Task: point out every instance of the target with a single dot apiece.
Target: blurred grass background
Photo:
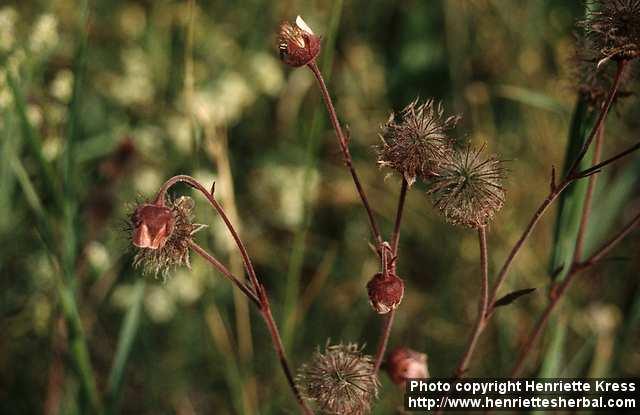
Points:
(100, 102)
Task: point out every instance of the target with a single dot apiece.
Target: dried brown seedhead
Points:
(416, 141)
(468, 187)
(340, 380)
(297, 44)
(612, 28)
(594, 82)
(161, 232)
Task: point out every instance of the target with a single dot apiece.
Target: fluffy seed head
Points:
(385, 292)
(297, 43)
(340, 380)
(415, 141)
(161, 233)
(468, 187)
(404, 363)
(613, 29)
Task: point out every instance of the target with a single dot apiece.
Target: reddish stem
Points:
(557, 293)
(482, 306)
(344, 146)
(263, 301)
(395, 239)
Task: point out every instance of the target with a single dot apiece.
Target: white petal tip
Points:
(303, 25)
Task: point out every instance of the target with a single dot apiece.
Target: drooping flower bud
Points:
(297, 44)
(152, 226)
(404, 363)
(385, 292)
(162, 233)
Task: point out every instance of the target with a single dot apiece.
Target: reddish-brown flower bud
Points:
(297, 44)
(385, 292)
(152, 226)
(404, 363)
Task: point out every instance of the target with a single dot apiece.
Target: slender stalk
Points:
(588, 198)
(248, 291)
(572, 175)
(595, 169)
(395, 240)
(502, 274)
(384, 339)
(344, 146)
(558, 292)
(263, 301)
(482, 306)
(608, 246)
(601, 117)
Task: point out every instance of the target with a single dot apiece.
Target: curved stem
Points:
(482, 306)
(263, 301)
(225, 271)
(344, 146)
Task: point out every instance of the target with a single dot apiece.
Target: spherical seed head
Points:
(297, 43)
(613, 28)
(162, 233)
(385, 292)
(415, 141)
(340, 380)
(404, 363)
(468, 187)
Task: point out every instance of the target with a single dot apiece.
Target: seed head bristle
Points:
(612, 28)
(339, 380)
(159, 258)
(415, 141)
(468, 187)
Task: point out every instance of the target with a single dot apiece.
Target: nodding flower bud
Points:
(385, 292)
(404, 363)
(152, 226)
(297, 44)
(162, 232)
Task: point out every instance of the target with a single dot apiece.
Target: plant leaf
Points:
(512, 296)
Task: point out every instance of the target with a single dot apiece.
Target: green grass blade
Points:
(572, 199)
(531, 98)
(125, 343)
(33, 141)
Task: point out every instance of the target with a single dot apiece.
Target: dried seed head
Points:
(297, 44)
(404, 363)
(593, 82)
(385, 292)
(613, 29)
(416, 141)
(468, 187)
(340, 380)
(162, 235)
